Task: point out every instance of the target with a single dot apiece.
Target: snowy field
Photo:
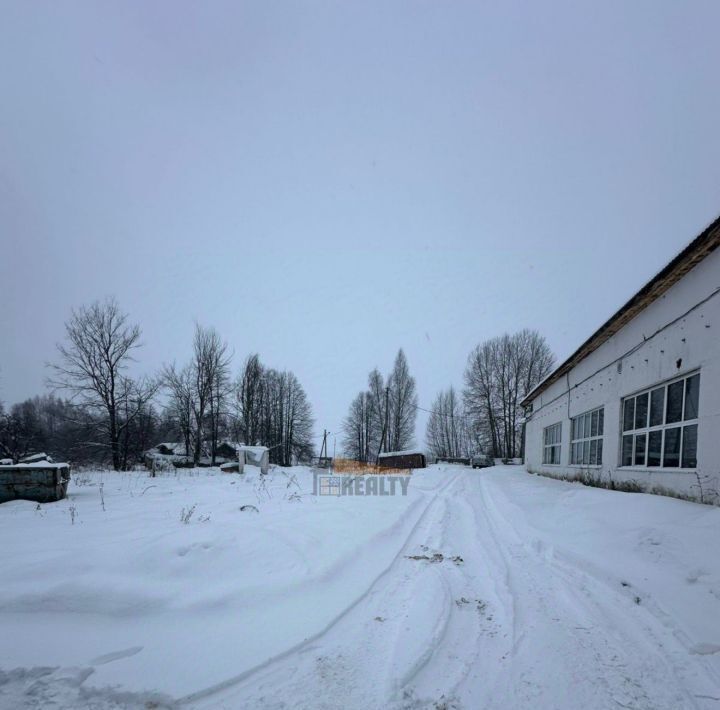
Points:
(479, 589)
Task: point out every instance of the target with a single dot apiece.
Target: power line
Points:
(459, 415)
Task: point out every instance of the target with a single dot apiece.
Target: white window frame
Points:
(682, 424)
(582, 438)
(552, 439)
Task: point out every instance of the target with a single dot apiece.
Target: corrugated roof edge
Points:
(699, 248)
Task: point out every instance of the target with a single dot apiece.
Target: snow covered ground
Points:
(479, 589)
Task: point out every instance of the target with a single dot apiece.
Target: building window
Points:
(660, 425)
(552, 436)
(586, 438)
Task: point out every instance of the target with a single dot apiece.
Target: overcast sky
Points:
(325, 182)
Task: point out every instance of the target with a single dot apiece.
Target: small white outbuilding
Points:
(254, 456)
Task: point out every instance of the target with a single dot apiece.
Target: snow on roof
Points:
(257, 450)
(34, 464)
(407, 452)
(36, 457)
(177, 447)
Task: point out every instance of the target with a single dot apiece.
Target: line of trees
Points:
(499, 373)
(449, 433)
(382, 418)
(272, 407)
(108, 416)
(199, 393)
(92, 368)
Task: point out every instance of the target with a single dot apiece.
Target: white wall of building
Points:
(676, 335)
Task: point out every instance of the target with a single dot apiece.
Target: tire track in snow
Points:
(558, 636)
(472, 637)
(584, 571)
(207, 697)
(598, 632)
(412, 643)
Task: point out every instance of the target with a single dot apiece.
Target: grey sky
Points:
(325, 182)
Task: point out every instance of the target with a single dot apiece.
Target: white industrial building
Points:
(637, 405)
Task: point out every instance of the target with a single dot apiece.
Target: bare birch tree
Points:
(273, 410)
(402, 404)
(383, 417)
(210, 370)
(179, 384)
(447, 431)
(249, 397)
(500, 372)
(377, 403)
(99, 345)
(357, 429)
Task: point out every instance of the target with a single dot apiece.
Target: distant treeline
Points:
(488, 417)
(108, 417)
(485, 418)
(382, 418)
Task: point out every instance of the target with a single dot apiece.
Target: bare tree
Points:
(179, 384)
(447, 432)
(249, 392)
(383, 417)
(402, 405)
(273, 410)
(136, 419)
(100, 343)
(296, 432)
(209, 371)
(357, 429)
(500, 372)
(377, 408)
(219, 375)
(20, 431)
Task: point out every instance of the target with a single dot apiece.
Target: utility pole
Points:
(387, 415)
(323, 448)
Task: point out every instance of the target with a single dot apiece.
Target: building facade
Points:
(637, 406)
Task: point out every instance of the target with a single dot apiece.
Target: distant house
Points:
(637, 405)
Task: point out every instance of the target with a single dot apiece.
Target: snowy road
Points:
(512, 623)
(480, 589)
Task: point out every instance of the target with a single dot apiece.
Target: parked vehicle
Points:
(482, 461)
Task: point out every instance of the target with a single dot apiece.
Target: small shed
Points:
(227, 450)
(42, 481)
(402, 459)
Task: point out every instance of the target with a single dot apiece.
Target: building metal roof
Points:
(700, 247)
